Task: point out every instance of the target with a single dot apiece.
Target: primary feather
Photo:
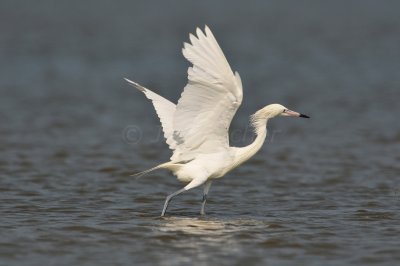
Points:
(165, 111)
(209, 101)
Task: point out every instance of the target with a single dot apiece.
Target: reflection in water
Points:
(215, 227)
(193, 226)
(200, 236)
(204, 239)
(206, 226)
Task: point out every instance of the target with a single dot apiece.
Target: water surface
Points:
(323, 191)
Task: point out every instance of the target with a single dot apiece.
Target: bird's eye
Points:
(285, 110)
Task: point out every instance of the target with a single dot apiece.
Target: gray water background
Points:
(323, 191)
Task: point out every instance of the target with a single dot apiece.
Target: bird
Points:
(196, 129)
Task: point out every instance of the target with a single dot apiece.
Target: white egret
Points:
(196, 128)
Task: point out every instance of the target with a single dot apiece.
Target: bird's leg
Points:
(207, 186)
(194, 183)
(168, 199)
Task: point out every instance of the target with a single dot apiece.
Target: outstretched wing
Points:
(209, 101)
(165, 111)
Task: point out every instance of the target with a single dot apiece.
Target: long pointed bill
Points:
(295, 114)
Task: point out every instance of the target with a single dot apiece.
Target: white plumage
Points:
(197, 128)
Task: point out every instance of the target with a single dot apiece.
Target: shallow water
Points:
(323, 191)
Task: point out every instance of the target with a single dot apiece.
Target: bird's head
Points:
(276, 109)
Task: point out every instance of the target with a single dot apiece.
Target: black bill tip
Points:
(304, 116)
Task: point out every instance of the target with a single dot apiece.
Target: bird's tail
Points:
(168, 165)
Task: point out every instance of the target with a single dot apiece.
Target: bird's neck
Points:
(260, 128)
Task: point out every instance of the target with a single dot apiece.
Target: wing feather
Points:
(209, 101)
(165, 111)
